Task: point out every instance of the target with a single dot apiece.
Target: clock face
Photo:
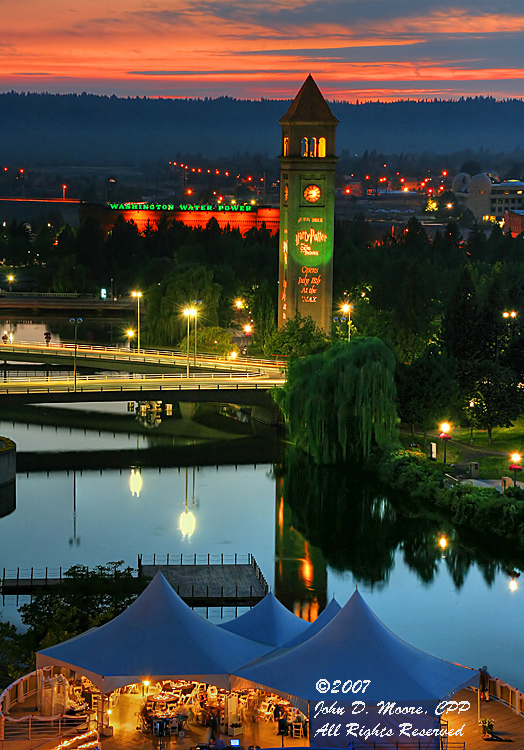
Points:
(286, 192)
(312, 193)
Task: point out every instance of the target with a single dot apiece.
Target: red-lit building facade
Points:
(149, 215)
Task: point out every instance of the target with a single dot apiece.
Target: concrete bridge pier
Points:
(266, 415)
(188, 409)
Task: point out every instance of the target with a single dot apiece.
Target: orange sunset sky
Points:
(356, 49)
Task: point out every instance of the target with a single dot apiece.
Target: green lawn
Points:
(505, 440)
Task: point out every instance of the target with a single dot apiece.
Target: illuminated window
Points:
(305, 147)
(286, 146)
(313, 147)
(322, 148)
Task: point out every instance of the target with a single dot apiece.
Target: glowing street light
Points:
(443, 542)
(64, 188)
(511, 316)
(189, 312)
(513, 585)
(10, 281)
(137, 296)
(515, 466)
(445, 428)
(346, 309)
(196, 305)
(239, 304)
(130, 335)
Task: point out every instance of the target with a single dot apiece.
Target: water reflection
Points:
(358, 527)
(135, 481)
(187, 521)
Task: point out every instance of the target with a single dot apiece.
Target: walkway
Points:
(509, 726)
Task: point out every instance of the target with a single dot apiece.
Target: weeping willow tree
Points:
(342, 403)
(165, 322)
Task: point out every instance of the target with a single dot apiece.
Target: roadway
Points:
(146, 361)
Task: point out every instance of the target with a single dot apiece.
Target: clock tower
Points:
(307, 208)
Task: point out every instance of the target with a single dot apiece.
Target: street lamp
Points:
(10, 281)
(189, 312)
(445, 427)
(76, 322)
(196, 304)
(137, 295)
(515, 466)
(64, 188)
(346, 309)
(130, 334)
(511, 315)
(248, 330)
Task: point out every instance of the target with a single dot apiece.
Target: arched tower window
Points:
(313, 146)
(304, 147)
(285, 151)
(321, 148)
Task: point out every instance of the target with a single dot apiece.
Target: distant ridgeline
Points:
(237, 216)
(51, 129)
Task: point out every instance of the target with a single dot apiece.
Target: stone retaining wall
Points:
(7, 461)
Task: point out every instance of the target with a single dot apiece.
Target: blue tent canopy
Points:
(356, 645)
(156, 637)
(332, 609)
(268, 622)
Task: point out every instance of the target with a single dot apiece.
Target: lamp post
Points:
(471, 406)
(130, 335)
(10, 281)
(76, 322)
(515, 466)
(511, 315)
(196, 305)
(445, 427)
(346, 309)
(137, 295)
(189, 312)
(248, 330)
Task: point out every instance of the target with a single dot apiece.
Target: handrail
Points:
(58, 348)
(138, 382)
(506, 694)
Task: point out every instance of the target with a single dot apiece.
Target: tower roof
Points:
(309, 106)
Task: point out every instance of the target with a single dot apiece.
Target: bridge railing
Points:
(133, 354)
(45, 380)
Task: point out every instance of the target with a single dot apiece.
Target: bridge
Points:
(146, 361)
(27, 302)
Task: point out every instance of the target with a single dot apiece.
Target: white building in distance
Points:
(488, 200)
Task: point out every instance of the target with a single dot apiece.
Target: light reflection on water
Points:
(237, 510)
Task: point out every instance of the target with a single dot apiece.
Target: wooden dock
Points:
(509, 724)
(210, 580)
(201, 580)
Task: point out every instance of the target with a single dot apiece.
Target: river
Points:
(314, 533)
